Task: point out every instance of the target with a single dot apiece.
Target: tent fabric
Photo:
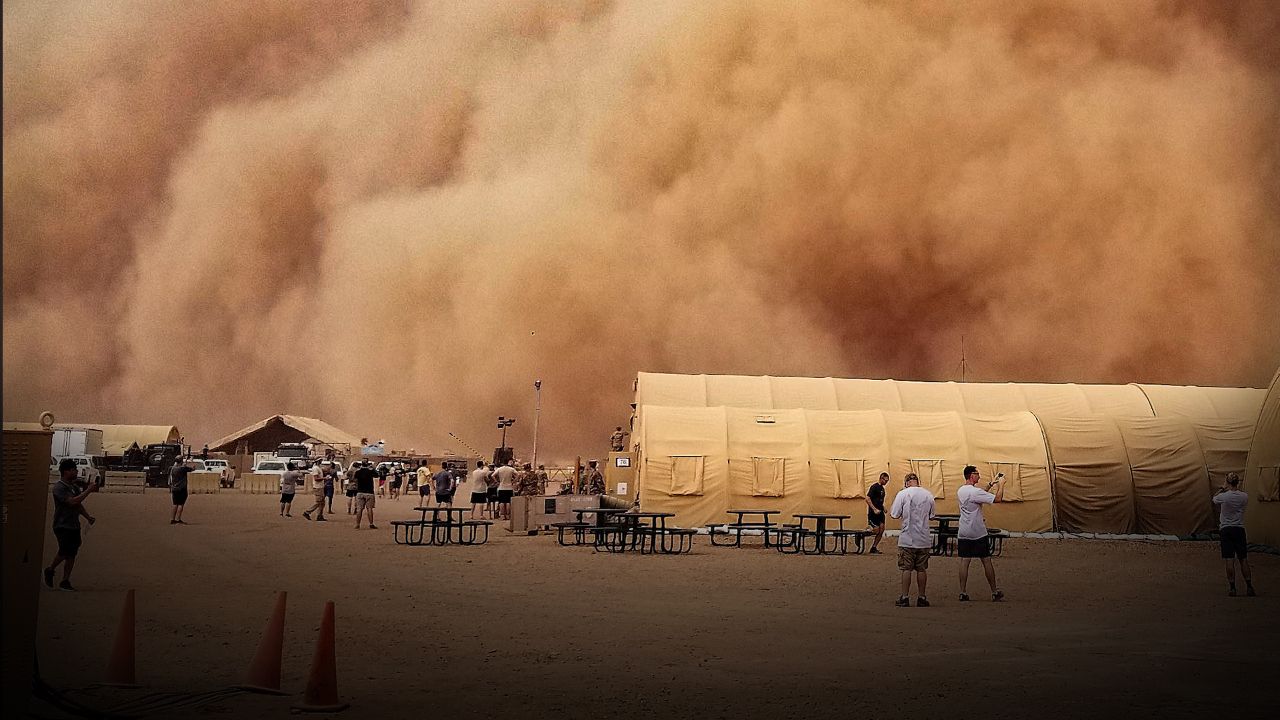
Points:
(823, 460)
(1170, 481)
(1262, 472)
(1043, 399)
(117, 438)
(1093, 486)
(311, 427)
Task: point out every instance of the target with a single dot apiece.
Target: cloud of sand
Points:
(397, 215)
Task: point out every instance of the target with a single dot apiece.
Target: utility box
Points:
(620, 474)
(547, 509)
(519, 523)
(24, 495)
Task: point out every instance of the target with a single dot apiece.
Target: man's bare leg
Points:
(964, 575)
(922, 578)
(990, 568)
(906, 583)
(875, 544)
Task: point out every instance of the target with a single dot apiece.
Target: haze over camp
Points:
(391, 214)
(640, 358)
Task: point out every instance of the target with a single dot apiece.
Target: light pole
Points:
(504, 423)
(537, 414)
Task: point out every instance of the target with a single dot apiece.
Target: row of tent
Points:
(1076, 458)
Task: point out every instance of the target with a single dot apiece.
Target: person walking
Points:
(323, 474)
(288, 487)
(178, 490)
(972, 540)
(330, 481)
(365, 499)
(914, 506)
(479, 481)
(443, 483)
(875, 511)
(68, 508)
(424, 483)
(1231, 502)
(506, 477)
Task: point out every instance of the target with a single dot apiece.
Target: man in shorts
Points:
(288, 488)
(972, 541)
(479, 486)
(506, 476)
(365, 499)
(424, 483)
(349, 489)
(875, 511)
(914, 506)
(1231, 502)
(491, 490)
(68, 506)
(178, 490)
(443, 483)
(324, 474)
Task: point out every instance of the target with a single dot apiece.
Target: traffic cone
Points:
(120, 667)
(264, 672)
(322, 684)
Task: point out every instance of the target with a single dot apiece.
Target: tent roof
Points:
(1052, 399)
(313, 428)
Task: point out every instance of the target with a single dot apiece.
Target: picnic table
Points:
(736, 527)
(442, 532)
(821, 534)
(944, 532)
(654, 537)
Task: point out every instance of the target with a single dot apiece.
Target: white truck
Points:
(76, 442)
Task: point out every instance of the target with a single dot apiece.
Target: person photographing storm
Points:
(972, 540)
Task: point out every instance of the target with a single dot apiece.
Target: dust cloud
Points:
(395, 216)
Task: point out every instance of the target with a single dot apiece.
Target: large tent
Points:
(1262, 476)
(1083, 458)
(268, 434)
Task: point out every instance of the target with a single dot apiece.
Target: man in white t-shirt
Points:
(479, 481)
(972, 541)
(1231, 502)
(914, 506)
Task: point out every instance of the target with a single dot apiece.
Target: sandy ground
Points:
(525, 628)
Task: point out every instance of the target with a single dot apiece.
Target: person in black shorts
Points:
(875, 511)
(351, 486)
(178, 490)
(68, 507)
(444, 483)
(1232, 502)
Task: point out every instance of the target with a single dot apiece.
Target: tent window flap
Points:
(768, 476)
(1269, 484)
(687, 473)
(1012, 479)
(931, 477)
(850, 478)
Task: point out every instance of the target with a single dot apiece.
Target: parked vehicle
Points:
(74, 442)
(160, 460)
(276, 466)
(226, 473)
(293, 450)
(87, 470)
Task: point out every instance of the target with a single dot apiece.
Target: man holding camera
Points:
(972, 540)
(1231, 502)
(68, 506)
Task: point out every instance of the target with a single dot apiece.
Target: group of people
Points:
(492, 485)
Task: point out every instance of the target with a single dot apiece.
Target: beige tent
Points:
(1083, 458)
(1262, 476)
(701, 462)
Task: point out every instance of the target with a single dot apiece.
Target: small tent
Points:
(1262, 473)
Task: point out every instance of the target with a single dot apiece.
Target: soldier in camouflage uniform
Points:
(527, 482)
(595, 480)
(618, 440)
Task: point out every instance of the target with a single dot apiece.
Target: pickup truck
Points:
(226, 473)
(86, 469)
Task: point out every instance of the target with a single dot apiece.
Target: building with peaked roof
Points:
(267, 435)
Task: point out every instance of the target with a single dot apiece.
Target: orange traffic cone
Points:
(322, 684)
(264, 672)
(120, 668)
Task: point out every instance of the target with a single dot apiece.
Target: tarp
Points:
(311, 427)
(1262, 472)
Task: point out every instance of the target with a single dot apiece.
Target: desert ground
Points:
(524, 628)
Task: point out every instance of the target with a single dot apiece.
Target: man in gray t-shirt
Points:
(1231, 502)
(178, 490)
(68, 506)
(288, 486)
